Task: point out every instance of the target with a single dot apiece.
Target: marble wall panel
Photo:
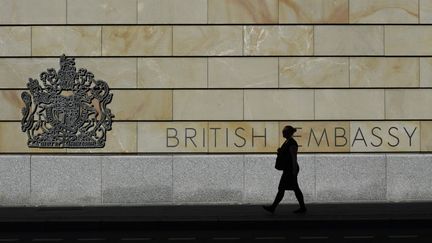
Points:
(173, 137)
(15, 41)
(102, 12)
(243, 11)
(425, 11)
(320, 136)
(172, 73)
(313, 11)
(69, 40)
(385, 136)
(384, 72)
(208, 105)
(425, 72)
(348, 40)
(313, 72)
(142, 104)
(242, 137)
(278, 104)
(217, 178)
(408, 40)
(207, 40)
(66, 180)
(15, 180)
(11, 104)
(384, 11)
(243, 72)
(408, 104)
(117, 72)
(15, 72)
(350, 177)
(136, 40)
(33, 12)
(122, 138)
(408, 177)
(278, 40)
(136, 179)
(349, 104)
(172, 11)
(426, 136)
(18, 144)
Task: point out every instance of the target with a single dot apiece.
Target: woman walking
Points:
(287, 156)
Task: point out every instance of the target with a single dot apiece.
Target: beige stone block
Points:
(384, 11)
(349, 40)
(15, 72)
(425, 72)
(349, 104)
(278, 40)
(313, 72)
(385, 136)
(18, 144)
(136, 40)
(243, 137)
(243, 11)
(408, 40)
(208, 104)
(142, 104)
(172, 73)
(320, 137)
(426, 136)
(313, 11)
(425, 11)
(32, 12)
(207, 40)
(122, 138)
(408, 104)
(69, 40)
(172, 137)
(15, 41)
(172, 11)
(102, 12)
(117, 72)
(11, 104)
(278, 104)
(384, 72)
(239, 72)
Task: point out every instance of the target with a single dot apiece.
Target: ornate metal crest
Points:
(69, 109)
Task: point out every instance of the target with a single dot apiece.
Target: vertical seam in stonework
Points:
(31, 40)
(30, 178)
(386, 178)
(349, 72)
(101, 181)
(66, 11)
(244, 175)
(207, 72)
(172, 178)
(278, 71)
(101, 33)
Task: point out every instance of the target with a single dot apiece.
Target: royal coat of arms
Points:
(68, 109)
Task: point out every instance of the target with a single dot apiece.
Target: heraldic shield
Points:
(68, 109)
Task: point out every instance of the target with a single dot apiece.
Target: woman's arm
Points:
(293, 154)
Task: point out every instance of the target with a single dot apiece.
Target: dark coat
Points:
(288, 179)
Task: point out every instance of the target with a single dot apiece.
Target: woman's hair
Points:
(289, 129)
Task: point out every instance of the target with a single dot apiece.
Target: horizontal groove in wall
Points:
(263, 88)
(210, 153)
(225, 56)
(220, 24)
(269, 120)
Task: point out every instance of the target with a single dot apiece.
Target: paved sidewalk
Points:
(219, 213)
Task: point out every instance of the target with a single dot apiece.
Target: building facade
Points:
(202, 89)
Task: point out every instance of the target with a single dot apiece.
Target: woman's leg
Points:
(300, 199)
(278, 198)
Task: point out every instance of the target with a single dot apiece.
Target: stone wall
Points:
(202, 89)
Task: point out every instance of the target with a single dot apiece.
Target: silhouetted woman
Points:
(288, 154)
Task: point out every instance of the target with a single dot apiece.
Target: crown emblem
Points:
(68, 109)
